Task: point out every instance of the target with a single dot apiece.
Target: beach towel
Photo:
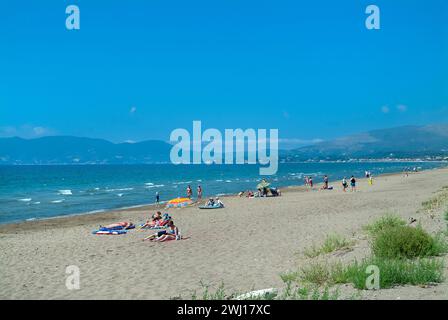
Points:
(109, 232)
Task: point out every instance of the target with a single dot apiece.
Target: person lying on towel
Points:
(124, 225)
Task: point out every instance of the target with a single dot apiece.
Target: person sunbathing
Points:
(154, 222)
(171, 233)
(119, 225)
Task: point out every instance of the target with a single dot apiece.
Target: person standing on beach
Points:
(353, 183)
(189, 192)
(157, 197)
(199, 193)
(325, 182)
(306, 181)
(310, 182)
(344, 184)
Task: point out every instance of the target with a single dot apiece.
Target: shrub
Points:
(406, 242)
(383, 223)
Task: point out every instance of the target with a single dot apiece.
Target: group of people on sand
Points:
(171, 232)
(216, 202)
(190, 192)
(308, 181)
(352, 184)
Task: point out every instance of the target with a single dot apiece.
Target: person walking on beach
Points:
(189, 192)
(157, 197)
(199, 193)
(370, 180)
(310, 182)
(306, 181)
(353, 183)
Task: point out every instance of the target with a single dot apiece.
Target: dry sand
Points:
(246, 245)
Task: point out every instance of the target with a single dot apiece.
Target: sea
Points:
(32, 192)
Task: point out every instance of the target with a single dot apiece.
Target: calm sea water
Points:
(36, 192)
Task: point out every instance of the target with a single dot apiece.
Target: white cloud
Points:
(25, 131)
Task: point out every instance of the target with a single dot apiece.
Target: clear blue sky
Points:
(138, 69)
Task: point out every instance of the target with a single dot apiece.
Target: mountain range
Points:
(399, 142)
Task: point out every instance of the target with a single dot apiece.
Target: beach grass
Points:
(332, 243)
(292, 292)
(387, 221)
(407, 242)
(403, 255)
(392, 272)
(289, 292)
(437, 201)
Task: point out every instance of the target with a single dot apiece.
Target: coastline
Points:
(108, 214)
(247, 245)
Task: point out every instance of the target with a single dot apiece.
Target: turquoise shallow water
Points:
(36, 192)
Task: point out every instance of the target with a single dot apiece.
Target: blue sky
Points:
(139, 69)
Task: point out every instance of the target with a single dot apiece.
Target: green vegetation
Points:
(403, 255)
(392, 272)
(290, 292)
(383, 223)
(331, 243)
(406, 242)
(436, 202)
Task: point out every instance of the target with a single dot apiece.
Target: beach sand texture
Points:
(246, 245)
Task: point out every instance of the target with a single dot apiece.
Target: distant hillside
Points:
(400, 142)
(74, 150)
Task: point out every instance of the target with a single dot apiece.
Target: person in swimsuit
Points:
(353, 183)
(325, 182)
(119, 225)
(154, 222)
(171, 233)
(189, 192)
(199, 193)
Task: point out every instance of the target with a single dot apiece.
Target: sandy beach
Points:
(246, 245)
